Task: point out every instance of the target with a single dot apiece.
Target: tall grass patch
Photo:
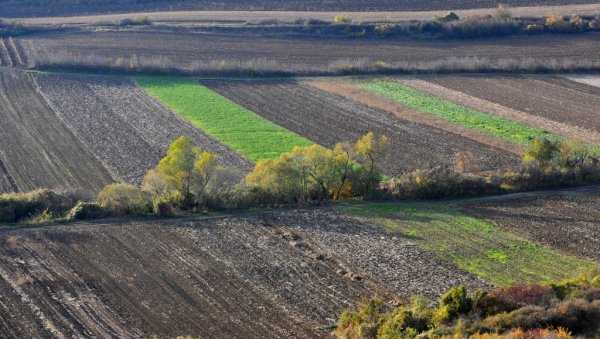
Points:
(244, 131)
(499, 257)
(495, 126)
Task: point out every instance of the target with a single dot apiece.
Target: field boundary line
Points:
(60, 117)
(473, 102)
(406, 113)
(14, 51)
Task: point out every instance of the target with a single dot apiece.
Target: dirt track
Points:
(570, 222)
(328, 118)
(242, 17)
(36, 149)
(288, 54)
(282, 275)
(68, 8)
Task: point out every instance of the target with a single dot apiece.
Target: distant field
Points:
(328, 118)
(216, 54)
(493, 125)
(235, 126)
(473, 245)
(28, 8)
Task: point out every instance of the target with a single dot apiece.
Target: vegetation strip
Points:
(242, 130)
(493, 125)
(476, 246)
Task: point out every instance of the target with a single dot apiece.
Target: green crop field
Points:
(244, 131)
(488, 123)
(499, 257)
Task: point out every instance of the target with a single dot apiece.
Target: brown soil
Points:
(328, 119)
(188, 50)
(557, 99)
(427, 85)
(36, 149)
(280, 275)
(566, 221)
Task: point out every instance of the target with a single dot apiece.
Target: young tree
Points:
(179, 164)
(370, 152)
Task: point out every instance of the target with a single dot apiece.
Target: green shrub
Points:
(85, 210)
(163, 209)
(15, 207)
(342, 19)
(124, 199)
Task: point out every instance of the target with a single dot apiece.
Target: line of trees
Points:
(188, 179)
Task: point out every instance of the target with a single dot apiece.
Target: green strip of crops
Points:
(500, 257)
(496, 126)
(244, 131)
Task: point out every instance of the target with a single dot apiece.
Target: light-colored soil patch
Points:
(592, 80)
(239, 17)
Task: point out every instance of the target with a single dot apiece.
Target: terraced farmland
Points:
(327, 119)
(36, 149)
(280, 275)
(550, 99)
(568, 222)
(235, 126)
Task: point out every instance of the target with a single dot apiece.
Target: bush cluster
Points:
(18, 207)
(523, 311)
(546, 164)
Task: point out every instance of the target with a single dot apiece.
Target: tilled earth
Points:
(564, 221)
(327, 118)
(122, 125)
(552, 98)
(37, 150)
(286, 274)
(299, 55)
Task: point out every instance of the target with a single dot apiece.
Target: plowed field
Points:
(328, 118)
(551, 98)
(36, 149)
(281, 275)
(564, 221)
(188, 50)
(127, 129)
